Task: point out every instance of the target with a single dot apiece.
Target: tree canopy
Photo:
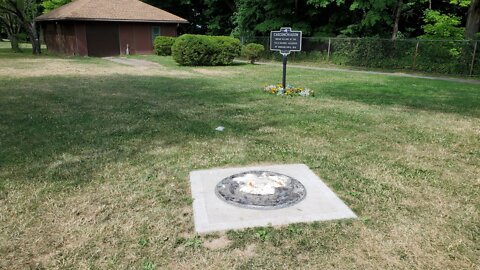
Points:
(354, 18)
(50, 5)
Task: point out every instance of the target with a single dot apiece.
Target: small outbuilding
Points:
(106, 27)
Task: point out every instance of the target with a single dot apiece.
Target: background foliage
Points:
(317, 18)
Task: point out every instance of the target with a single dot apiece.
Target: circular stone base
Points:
(260, 190)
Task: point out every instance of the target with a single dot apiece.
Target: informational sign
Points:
(286, 40)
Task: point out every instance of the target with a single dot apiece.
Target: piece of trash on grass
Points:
(220, 128)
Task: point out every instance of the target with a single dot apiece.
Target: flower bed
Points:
(289, 91)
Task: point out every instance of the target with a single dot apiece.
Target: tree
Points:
(50, 5)
(375, 16)
(11, 25)
(191, 10)
(473, 20)
(319, 18)
(380, 15)
(218, 16)
(25, 12)
(442, 26)
(254, 17)
(398, 13)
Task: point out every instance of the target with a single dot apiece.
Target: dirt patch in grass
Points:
(217, 243)
(248, 251)
(73, 67)
(138, 63)
(215, 72)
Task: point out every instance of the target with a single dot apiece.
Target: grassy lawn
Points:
(95, 157)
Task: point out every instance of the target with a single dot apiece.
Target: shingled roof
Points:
(110, 10)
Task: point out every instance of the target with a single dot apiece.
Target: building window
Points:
(155, 32)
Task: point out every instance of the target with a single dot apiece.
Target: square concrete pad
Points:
(213, 214)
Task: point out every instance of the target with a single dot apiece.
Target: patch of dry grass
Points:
(215, 71)
(40, 67)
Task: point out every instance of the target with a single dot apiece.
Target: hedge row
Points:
(199, 50)
(446, 56)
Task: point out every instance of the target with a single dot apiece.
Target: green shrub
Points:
(252, 51)
(199, 50)
(227, 48)
(192, 50)
(163, 45)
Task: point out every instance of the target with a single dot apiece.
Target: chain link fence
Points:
(460, 57)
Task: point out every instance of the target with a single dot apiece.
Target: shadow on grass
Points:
(65, 128)
(240, 64)
(68, 128)
(26, 50)
(6, 53)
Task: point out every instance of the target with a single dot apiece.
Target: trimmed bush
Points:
(252, 51)
(192, 50)
(199, 50)
(227, 48)
(163, 45)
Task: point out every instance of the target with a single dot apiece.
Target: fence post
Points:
(473, 58)
(328, 53)
(415, 55)
(367, 56)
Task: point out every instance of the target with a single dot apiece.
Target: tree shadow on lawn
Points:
(430, 95)
(26, 51)
(66, 128)
(7, 53)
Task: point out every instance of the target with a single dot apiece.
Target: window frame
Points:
(156, 31)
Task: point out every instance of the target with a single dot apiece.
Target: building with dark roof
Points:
(106, 27)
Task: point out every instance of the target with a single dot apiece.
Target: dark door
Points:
(102, 39)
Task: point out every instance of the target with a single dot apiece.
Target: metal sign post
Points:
(284, 77)
(285, 41)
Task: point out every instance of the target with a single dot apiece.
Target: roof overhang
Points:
(38, 19)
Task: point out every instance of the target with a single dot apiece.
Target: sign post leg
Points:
(284, 79)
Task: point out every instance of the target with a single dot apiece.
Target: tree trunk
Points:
(398, 12)
(34, 37)
(473, 20)
(12, 29)
(14, 42)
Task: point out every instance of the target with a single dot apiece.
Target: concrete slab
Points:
(213, 214)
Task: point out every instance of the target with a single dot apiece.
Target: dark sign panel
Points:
(286, 40)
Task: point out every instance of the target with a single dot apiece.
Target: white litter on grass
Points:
(220, 128)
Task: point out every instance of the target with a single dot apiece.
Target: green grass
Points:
(26, 50)
(94, 168)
